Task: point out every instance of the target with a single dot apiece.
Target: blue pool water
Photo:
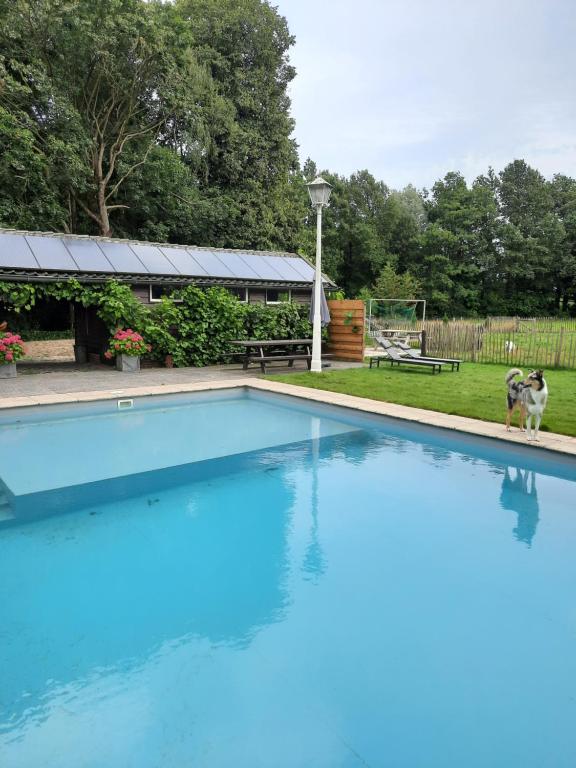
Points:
(330, 592)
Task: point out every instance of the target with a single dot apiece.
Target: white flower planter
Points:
(127, 363)
(8, 371)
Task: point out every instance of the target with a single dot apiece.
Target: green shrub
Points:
(280, 321)
(193, 325)
(36, 335)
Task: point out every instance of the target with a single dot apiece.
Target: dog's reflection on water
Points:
(519, 495)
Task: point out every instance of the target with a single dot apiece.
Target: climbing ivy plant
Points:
(194, 325)
(115, 303)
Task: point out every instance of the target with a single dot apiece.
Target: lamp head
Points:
(319, 191)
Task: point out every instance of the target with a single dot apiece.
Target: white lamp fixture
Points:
(319, 191)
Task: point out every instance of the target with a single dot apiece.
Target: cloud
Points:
(413, 89)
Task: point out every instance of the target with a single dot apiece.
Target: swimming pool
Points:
(244, 580)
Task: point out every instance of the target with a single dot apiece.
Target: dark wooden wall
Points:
(255, 295)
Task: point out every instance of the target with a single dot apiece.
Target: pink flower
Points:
(108, 355)
(9, 356)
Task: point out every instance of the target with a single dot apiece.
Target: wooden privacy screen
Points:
(346, 330)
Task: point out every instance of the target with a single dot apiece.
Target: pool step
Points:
(5, 508)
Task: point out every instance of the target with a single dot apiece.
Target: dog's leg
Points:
(529, 426)
(508, 418)
(522, 417)
(537, 420)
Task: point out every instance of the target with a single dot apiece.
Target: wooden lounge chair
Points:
(393, 355)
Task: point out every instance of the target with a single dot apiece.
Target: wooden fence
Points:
(537, 342)
(346, 330)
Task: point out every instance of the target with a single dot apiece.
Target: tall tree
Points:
(111, 76)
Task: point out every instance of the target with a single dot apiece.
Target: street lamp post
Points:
(319, 191)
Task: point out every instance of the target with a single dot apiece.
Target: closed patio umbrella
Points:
(324, 311)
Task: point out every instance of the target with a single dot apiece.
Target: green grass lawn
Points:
(477, 390)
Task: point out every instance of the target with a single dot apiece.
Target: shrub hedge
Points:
(196, 326)
(193, 325)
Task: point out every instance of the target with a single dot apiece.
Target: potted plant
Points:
(11, 350)
(127, 347)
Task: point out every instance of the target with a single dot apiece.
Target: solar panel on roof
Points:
(214, 266)
(264, 268)
(153, 259)
(301, 266)
(51, 253)
(184, 262)
(16, 253)
(122, 258)
(88, 255)
(240, 265)
(285, 269)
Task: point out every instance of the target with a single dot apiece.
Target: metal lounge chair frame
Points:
(409, 352)
(392, 355)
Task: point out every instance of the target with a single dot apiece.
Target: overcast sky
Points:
(412, 89)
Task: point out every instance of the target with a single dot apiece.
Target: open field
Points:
(477, 391)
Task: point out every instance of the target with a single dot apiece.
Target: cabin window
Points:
(157, 292)
(240, 293)
(275, 296)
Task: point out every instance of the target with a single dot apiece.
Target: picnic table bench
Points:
(275, 350)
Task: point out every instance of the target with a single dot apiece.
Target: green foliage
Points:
(282, 321)
(196, 326)
(35, 335)
(204, 323)
(193, 325)
(161, 120)
(504, 245)
(116, 304)
(392, 285)
(171, 122)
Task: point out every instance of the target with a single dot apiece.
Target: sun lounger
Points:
(384, 343)
(393, 355)
(413, 355)
(407, 351)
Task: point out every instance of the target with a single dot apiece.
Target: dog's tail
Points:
(512, 373)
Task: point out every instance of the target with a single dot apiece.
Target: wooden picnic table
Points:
(392, 333)
(274, 350)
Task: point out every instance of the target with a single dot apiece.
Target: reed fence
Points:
(533, 342)
(544, 342)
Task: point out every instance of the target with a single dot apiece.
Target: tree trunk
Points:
(105, 230)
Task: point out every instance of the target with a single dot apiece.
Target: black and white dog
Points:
(534, 397)
(514, 397)
(530, 396)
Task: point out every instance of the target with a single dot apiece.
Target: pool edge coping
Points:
(549, 441)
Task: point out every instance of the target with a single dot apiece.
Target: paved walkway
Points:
(62, 378)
